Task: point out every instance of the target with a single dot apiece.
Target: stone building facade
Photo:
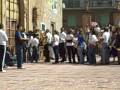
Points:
(82, 12)
(30, 14)
(45, 14)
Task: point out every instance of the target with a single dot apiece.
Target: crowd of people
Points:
(74, 44)
(71, 45)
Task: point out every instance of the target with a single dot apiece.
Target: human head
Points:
(47, 30)
(62, 29)
(1, 26)
(93, 32)
(69, 31)
(106, 29)
(19, 28)
(56, 32)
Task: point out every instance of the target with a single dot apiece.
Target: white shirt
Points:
(75, 42)
(106, 37)
(49, 37)
(3, 37)
(62, 37)
(35, 42)
(25, 36)
(30, 41)
(56, 40)
(69, 37)
(97, 29)
(93, 39)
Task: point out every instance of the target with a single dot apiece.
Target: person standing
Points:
(62, 47)
(35, 46)
(24, 45)
(19, 40)
(81, 46)
(56, 46)
(30, 50)
(105, 46)
(69, 45)
(75, 48)
(3, 43)
(92, 47)
(47, 46)
(117, 43)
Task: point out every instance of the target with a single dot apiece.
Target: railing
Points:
(101, 3)
(82, 4)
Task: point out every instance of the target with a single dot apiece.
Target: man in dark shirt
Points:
(19, 40)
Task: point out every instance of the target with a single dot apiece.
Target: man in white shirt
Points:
(3, 43)
(62, 47)
(105, 48)
(97, 29)
(30, 47)
(35, 46)
(69, 45)
(56, 46)
(91, 47)
(47, 46)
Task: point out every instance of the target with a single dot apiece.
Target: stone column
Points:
(21, 12)
(116, 18)
(86, 19)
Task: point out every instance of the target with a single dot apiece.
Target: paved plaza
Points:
(46, 76)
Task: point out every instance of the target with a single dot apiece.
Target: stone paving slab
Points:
(61, 77)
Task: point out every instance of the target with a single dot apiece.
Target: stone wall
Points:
(45, 14)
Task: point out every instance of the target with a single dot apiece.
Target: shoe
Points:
(70, 62)
(62, 61)
(3, 71)
(74, 63)
(55, 62)
(20, 68)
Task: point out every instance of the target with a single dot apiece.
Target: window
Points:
(54, 6)
(43, 27)
(11, 21)
(101, 3)
(72, 21)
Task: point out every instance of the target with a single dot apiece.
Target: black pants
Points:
(70, 51)
(46, 53)
(1, 56)
(75, 53)
(24, 54)
(62, 51)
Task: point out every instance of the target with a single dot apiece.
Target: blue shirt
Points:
(18, 37)
(80, 41)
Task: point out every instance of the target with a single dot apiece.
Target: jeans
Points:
(62, 51)
(30, 52)
(81, 56)
(91, 55)
(105, 54)
(19, 53)
(56, 52)
(35, 54)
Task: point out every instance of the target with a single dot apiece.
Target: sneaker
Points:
(3, 71)
(20, 68)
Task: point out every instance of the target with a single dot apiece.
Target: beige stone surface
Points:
(45, 13)
(61, 77)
